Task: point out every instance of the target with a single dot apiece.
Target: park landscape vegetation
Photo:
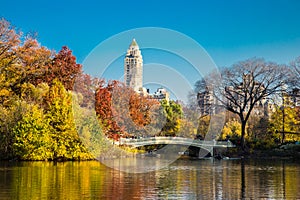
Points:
(46, 101)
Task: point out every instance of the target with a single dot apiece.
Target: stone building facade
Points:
(133, 73)
(294, 97)
(133, 67)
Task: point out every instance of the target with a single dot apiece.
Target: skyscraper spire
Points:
(133, 67)
(133, 43)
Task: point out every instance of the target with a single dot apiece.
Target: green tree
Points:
(9, 117)
(173, 112)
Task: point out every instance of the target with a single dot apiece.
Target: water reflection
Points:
(243, 185)
(184, 179)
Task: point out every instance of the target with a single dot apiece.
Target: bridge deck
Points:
(175, 140)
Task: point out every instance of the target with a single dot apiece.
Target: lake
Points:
(183, 179)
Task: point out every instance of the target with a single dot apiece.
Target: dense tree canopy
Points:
(36, 108)
(123, 112)
(174, 114)
(291, 123)
(64, 68)
(40, 91)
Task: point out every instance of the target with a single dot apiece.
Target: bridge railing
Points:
(173, 140)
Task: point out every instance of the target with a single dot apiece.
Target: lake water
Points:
(183, 179)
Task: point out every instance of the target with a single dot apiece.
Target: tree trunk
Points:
(243, 132)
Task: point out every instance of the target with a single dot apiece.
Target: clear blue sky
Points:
(229, 30)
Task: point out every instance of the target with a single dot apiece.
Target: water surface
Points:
(183, 179)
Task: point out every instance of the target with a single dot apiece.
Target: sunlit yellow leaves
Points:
(35, 116)
(232, 129)
(290, 123)
(32, 139)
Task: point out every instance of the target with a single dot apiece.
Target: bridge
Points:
(208, 145)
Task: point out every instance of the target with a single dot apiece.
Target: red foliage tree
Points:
(122, 111)
(86, 86)
(64, 68)
(103, 108)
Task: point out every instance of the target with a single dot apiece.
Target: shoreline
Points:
(269, 154)
(273, 154)
(284, 152)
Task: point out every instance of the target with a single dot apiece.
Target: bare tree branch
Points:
(246, 86)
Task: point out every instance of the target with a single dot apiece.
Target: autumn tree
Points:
(203, 125)
(244, 85)
(103, 108)
(63, 68)
(291, 123)
(138, 114)
(30, 66)
(232, 129)
(86, 85)
(59, 112)
(257, 128)
(121, 111)
(36, 120)
(9, 117)
(190, 119)
(32, 135)
(28, 61)
(9, 41)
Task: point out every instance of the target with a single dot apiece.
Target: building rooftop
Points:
(134, 43)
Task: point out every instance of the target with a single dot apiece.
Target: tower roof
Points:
(134, 43)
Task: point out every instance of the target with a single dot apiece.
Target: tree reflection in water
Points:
(183, 179)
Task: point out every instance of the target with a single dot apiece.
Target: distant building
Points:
(133, 67)
(133, 73)
(160, 94)
(294, 96)
(206, 102)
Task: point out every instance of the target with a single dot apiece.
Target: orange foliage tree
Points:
(123, 112)
(86, 86)
(32, 61)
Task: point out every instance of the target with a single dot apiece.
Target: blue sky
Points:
(229, 31)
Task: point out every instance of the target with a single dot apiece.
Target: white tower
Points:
(133, 67)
